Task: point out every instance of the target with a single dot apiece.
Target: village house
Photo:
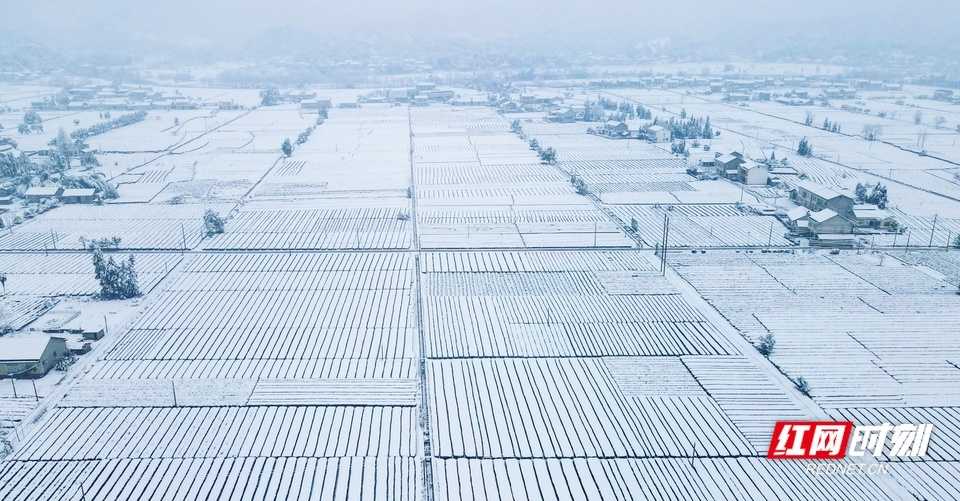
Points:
(750, 172)
(615, 128)
(659, 134)
(816, 198)
(727, 165)
(566, 116)
(828, 221)
(30, 356)
(35, 194)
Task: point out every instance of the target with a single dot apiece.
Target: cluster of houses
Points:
(824, 211)
(36, 194)
(122, 98)
(125, 98)
(946, 95)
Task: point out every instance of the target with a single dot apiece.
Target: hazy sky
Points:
(213, 22)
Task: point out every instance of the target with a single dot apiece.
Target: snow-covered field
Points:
(413, 306)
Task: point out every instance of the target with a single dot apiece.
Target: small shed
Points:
(78, 196)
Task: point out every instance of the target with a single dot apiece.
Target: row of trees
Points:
(100, 128)
(687, 128)
(804, 148)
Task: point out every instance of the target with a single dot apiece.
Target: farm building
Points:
(78, 196)
(816, 197)
(658, 134)
(728, 165)
(750, 172)
(566, 116)
(870, 216)
(30, 357)
(799, 220)
(35, 194)
(399, 95)
(828, 221)
(615, 128)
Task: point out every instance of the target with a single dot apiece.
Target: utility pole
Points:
(934, 228)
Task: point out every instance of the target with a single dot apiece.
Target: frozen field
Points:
(412, 306)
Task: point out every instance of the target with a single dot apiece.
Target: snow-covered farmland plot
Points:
(704, 226)
(341, 478)
(556, 304)
(347, 228)
(302, 306)
(861, 329)
(139, 226)
(483, 189)
(297, 370)
(73, 274)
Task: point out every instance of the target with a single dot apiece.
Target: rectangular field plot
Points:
(139, 226)
(277, 306)
(538, 408)
(335, 479)
(382, 228)
(542, 304)
(73, 274)
(838, 326)
(525, 326)
(594, 479)
(210, 432)
(566, 226)
(252, 369)
(704, 226)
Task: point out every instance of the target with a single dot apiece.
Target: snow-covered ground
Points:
(413, 304)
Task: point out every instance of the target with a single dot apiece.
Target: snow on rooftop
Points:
(22, 348)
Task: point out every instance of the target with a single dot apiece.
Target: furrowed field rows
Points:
(557, 261)
(668, 166)
(746, 395)
(293, 280)
(334, 479)
(73, 274)
(510, 284)
(929, 480)
(454, 217)
(711, 479)
(268, 343)
(17, 312)
(842, 333)
(316, 229)
(299, 262)
(570, 408)
(279, 310)
(241, 392)
(456, 174)
(205, 432)
(252, 369)
(576, 340)
(500, 192)
(699, 228)
(140, 227)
